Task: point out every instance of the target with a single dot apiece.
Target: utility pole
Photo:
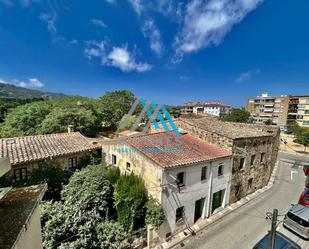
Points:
(273, 229)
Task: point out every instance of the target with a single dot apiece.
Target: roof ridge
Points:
(42, 135)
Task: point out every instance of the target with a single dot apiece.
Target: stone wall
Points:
(60, 161)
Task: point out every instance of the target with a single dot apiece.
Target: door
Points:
(199, 205)
(217, 200)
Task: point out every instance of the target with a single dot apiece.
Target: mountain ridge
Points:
(17, 92)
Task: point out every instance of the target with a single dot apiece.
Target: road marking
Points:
(292, 173)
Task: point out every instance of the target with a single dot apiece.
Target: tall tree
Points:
(114, 105)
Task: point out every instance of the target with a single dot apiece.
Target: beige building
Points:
(303, 111)
(65, 150)
(254, 148)
(265, 107)
(189, 177)
(281, 110)
(20, 226)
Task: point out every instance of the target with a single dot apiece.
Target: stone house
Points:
(189, 177)
(254, 148)
(65, 150)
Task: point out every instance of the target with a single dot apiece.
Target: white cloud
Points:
(137, 6)
(124, 60)
(31, 83)
(245, 76)
(50, 19)
(118, 57)
(99, 23)
(150, 30)
(207, 22)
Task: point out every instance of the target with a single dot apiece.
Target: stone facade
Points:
(60, 161)
(254, 148)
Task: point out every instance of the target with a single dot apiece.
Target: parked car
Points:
(297, 220)
(306, 169)
(281, 242)
(304, 198)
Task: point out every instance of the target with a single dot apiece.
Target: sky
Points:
(165, 51)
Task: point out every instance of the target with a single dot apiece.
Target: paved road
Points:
(244, 227)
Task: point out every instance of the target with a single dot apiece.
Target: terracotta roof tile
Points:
(32, 148)
(167, 151)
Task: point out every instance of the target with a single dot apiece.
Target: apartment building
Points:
(213, 108)
(303, 111)
(281, 110)
(188, 176)
(266, 108)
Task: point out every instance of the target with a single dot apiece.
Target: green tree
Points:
(81, 219)
(130, 198)
(302, 136)
(154, 213)
(52, 116)
(59, 119)
(25, 120)
(113, 106)
(239, 115)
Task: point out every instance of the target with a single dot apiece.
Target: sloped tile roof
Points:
(26, 149)
(227, 129)
(168, 151)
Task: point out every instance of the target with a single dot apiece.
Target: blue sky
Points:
(163, 50)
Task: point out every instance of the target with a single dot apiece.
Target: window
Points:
(262, 157)
(114, 159)
(306, 111)
(179, 214)
(220, 170)
(128, 166)
(72, 162)
(204, 173)
(180, 179)
(242, 163)
(20, 174)
(250, 183)
(252, 159)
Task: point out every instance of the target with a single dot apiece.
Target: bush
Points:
(154, 213)
(130, 199)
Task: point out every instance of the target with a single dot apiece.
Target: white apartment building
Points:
(189, 177)
(213, 109)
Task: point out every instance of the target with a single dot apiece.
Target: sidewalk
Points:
(204, 223)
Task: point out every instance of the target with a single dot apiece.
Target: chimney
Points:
(70, 128)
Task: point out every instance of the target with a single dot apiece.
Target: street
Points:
(245, 226)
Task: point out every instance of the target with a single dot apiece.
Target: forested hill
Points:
(12, 91)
